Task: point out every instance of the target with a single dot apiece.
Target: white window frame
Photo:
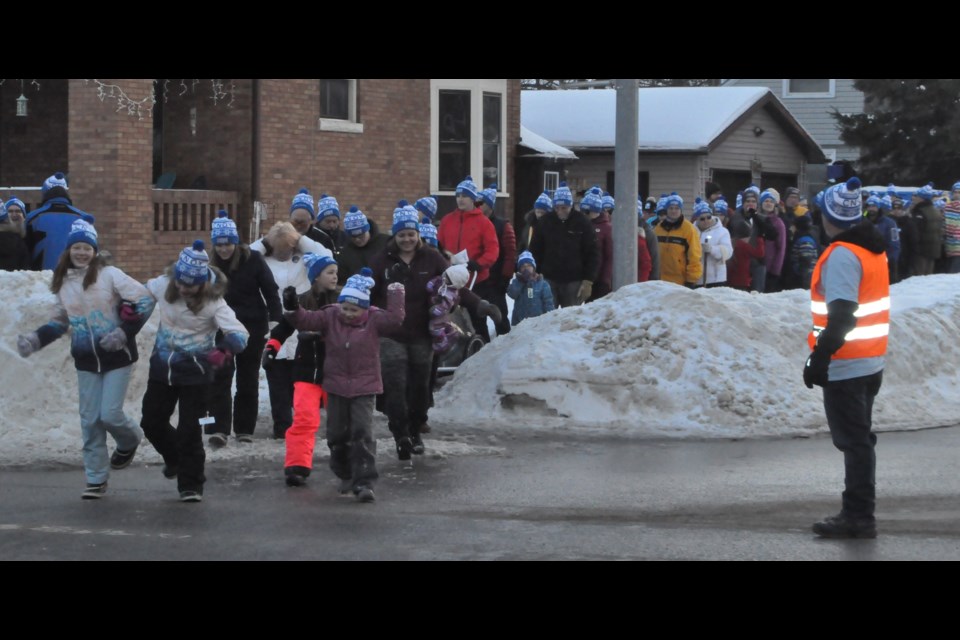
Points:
(476, 87)
(831, 93)
(831, 155)
(556, 180)
(350, 125)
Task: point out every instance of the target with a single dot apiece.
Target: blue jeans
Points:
(101, 412)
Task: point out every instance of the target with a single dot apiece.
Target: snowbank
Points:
(659, 360)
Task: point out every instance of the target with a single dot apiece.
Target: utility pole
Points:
(625, 184)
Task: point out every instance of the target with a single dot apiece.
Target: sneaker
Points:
(843, 526)
(191, 496)
(404, 448)
(365, 494)
(94, 491)
(417, 442)
(170, 471)
(245, 438)
(122, 459)
(217, 440)
(295, 480)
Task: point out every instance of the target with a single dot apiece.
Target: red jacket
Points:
(605, 242)
(644, 263)
(473, 231)
(738, 268)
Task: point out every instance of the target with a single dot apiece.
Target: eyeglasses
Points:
(706, 217)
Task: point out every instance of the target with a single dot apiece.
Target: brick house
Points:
(250, 149)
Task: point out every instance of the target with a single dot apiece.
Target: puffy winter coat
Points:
(717, 249)
(473, 231)
(680, 259)
(531, 298)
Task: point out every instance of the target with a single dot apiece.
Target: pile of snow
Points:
(659, 360)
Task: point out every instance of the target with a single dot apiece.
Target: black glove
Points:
(270, 354)
(815, 369)
(473, 266)
(290, 299)
(769, 231)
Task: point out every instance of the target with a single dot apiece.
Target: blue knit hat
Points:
(940, 204)
(661, 203)
(357, 289)
(608, 202)
(739, 202)
(886, 203)
(315, 264)
(3, 212)
(720, 207)
(17, 202)
(56, 180)
(955, 187)
(526, 258)
(674, 199)
(927, 192)
(755, 189)
(427, 206)
(468, 188)
(405, 217)
(873, 201)
(489, 195)
(640, 205)
(428, 232)
(843, 204)
(592, 201)
(327, 206)
(192, 267)
(767, 195)
(700, 207)
(355, 223)
(303, 200)
(82, 231)
(544, 203)
(563, 196)
(223, 230)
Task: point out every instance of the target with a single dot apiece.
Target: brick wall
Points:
(33, 147)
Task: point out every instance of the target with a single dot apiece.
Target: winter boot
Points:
(122, 459)
(844, 526)
(404, 448)
(217, 440)
(191, 496)
(365, 494)
(296, 476)
(245, 438)
(417, 442)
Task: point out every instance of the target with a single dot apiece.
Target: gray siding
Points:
(814, 113)
(674, 172)
(774, 149)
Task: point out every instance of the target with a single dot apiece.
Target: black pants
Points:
(280, 383)
(353, 449)
(495, 292)
(565, 293)
(405, 369)
(772, 284)
(894, 275)
(181, 447)
(242, 412)
(849, 409)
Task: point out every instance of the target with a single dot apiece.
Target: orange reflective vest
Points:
(869, 338)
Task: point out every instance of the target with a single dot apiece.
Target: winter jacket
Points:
(48, 228)
(951, 230)
(502, 269)
(930, 228)
(94, 313)
(185, 338)
(251, 291)
(775, 250)
(803, 258)
(311, 350)
(353, 258)
(738, 269)
(888, 228)
(290, 273)
(680, 258)
(531, 298)
(644, 263)
(717, 249)
(473, 231)
(604, 230)
(653, 250)
(909, 239)
(333, 241)
(351, 367)
(566, 250)
(14, 254)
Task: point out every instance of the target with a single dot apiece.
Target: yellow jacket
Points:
(681, 260)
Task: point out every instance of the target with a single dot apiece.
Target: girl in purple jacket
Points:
(351, 373)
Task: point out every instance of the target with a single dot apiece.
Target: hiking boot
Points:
(94, 491)
(843, 526)
(191, 496)
(170, 471)
(217, 440)
(365, 494)
(404, 448)
(296, 476)
(245, 438)
(122, 459)
(417, 443)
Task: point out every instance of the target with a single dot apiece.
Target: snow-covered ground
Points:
(658, 360)
(651, 360)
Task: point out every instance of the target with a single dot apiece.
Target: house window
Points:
(809, 88)
(468, 126)
(338, 106)
(551, 180)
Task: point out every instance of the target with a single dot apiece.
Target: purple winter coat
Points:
(352, 364)
(776, 250)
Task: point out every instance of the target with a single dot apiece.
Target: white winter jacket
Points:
(717, 249)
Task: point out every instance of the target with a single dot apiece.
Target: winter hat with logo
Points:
(468, 188)
(955, 187)
(720, 207)
(755, 189)
(873, 201)
(700, 207)
(327, 206)
(769, 194)
(592, 201)
(544, 203)
(428, 232)
(315, 264)
(223, 230)
(886, 203)
(674, 199)
(56, 180)
(82, 231)
(192, 267)
(405, 217)
(563, 196)
(526, 258)
(661, 203)
(608, 202)
(355, 223)
(303, 200)
(17, 202)
(927, 192)
(843, 203)
(357, 289)
(489, 195)
(427, 206)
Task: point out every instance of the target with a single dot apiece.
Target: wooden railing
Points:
(190, 209)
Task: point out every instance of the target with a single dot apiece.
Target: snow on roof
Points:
(543, 147)
(671, 118)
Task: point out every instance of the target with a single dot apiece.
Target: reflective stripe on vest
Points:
(869, 338)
